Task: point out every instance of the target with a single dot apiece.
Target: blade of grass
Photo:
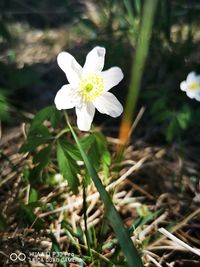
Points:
(129, 9)
(113, 217)
(138, 67)
(85, 219)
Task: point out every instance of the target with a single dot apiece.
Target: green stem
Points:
(113, 216)
(100, 256)
(85, 220)
(138, 65)
(141, 56)
(66, 130)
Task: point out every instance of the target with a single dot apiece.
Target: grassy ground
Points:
(156, 189)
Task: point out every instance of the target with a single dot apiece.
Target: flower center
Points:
(194, 86)
(91, 87)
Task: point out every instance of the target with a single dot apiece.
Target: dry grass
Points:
(152, 179)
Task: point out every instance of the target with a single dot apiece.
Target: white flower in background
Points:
(88, 87)
(192, 86)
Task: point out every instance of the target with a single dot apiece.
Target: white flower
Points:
(88, 87)
(192, 86)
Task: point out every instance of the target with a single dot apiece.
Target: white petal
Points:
(191, 77)
(112, 77)
(94, 60)
(70, 66)
(85, 116)
(183, 86)
(190, 94)
(197, 96)
(108, 104)
(65, 97)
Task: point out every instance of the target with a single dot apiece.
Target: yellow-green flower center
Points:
(194, 86)
(91, 87)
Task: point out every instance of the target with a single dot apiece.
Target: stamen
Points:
(91, 87)
(194, 86)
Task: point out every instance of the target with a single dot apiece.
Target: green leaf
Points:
(159, 104)
(42, 157)
(103, 153)
(106, 161)
(25, 174)
(122, 235)
(183, 117)
(106, 158)
(87, 141)
(47, 113)
(28, 218)
(97, 151)
(93, 155)
(138, 6)
(55, 117)
(34, 174)
(171, 130)
(163, 115)
(35, 138)
(41, 116)
(71, 150)
(68, 166)
(33, 197)
(144, 220)
(32, 144)
(56, 248)
(4, 107)
(41, 131)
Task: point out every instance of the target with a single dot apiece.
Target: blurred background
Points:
(32, 33)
